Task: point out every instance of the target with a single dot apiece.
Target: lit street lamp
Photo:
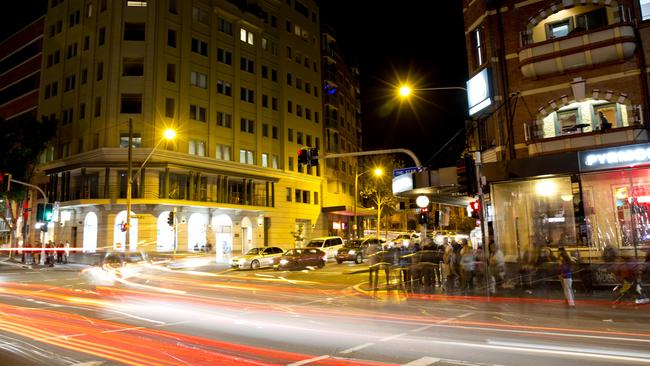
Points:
(378, 172)
(406, 91)
(169, 134)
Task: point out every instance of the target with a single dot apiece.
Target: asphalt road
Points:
(209, 315)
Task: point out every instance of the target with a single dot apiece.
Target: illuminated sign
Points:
(616, 157)
(478, 92)
(402, 183)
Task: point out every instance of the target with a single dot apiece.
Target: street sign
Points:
(413, 169)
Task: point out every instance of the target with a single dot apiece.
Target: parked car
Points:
(403, 240)
(356, 250)
(257, 257)
(300, 258)
(328, 244)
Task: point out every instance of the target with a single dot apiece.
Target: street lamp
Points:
(169, 134)
(377, 172)
(405, 90)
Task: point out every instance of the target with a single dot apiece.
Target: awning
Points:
(349, 211)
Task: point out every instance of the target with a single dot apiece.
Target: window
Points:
(224, 87)
(298, 110)
(169, 107)
(246, 156)
(289, 78)
(559, 29)
(196, 147)
(73, 19)
(306, 197)
(289, 195)
(274, 75)
(134, 31)
(308, 114)
(290, 135)
(199, 47)
(265, 160)
(246, 36)
(101, 36)
(247, 95)
(98, 106)
(274, 103)
(72, 50)
(265, 101)
(171, 38)
(298, 195)
(67, 116)
(298, 83)
(247, 65)
(132, 66)
(225, 26)
(86, 43)
(199, 80)
(198, 113)
(223, 152)
(591, 20)
(289, 106)
(308, 140)
(478, 49)
(275, 161)
(265, 72)
(136, 4)
(223, 56)
(290, 163)
(274, 132)
(224, 119)
(89, 10)
(582, 117)
(100, 71)
(70, 82)
(247, 125)
(173, 6)
(200, 15)
(265, 130)
(171, 73)
(136, 140)
(131, 103)
(82, 110)
(299, 138)
(645, 9)
(315, 198)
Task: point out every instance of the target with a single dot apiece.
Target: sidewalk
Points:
(16, 263)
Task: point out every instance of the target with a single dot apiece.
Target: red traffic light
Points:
(475, 205)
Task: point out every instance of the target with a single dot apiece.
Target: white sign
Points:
(422, 201)
(403, 183)
(614, 157)
(478, 92)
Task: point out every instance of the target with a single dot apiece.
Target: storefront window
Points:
(617, 207)
(532, 214)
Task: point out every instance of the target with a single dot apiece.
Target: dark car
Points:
(300, 258)
(355, 250)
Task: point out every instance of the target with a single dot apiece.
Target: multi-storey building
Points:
(20, 66)
(559, 92)
(342, 134)
(240, 83)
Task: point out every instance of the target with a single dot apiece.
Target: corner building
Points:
(564, 138)
(239, 82)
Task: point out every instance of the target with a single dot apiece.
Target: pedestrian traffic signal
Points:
(170, 218)
(476, 208)
(5, 182)
(40, 211)
(48, 212)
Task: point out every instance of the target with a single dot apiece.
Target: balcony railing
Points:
(613, 43)
(615, 136)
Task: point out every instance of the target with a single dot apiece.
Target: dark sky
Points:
(415, 40)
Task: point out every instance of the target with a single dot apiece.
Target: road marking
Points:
(424, 361)
(304, 362)
(359, 347)
(465, 315)
(422, 328)
(392, 337)
(121, 330)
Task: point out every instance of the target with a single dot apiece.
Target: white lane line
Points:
(424, 361)
(359, 347)
(446, 321)
(121, 330)
(304, 362)
(582, 350)
(392, 337)
(465, 315)
(422, 328)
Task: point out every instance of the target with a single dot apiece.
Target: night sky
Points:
(411, 40)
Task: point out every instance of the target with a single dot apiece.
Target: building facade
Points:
(20, 72)
(240, 84)
(342, 134)
(559, 93)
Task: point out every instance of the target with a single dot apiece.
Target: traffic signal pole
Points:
(46, 201)
(483, 219)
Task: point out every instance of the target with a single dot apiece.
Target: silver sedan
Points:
(257, 257)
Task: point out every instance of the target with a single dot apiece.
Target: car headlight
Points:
(352, 252)
(241, 261)
(283, 261)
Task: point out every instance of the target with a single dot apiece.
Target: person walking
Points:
(496, 262)
(373, 255)
(566, 276)
(467, 267)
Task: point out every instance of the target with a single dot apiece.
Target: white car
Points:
(257, 257)
(328, 244)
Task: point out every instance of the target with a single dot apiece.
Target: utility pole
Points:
(129, 177)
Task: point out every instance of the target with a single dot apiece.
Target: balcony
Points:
(613, 43)
(595, 139)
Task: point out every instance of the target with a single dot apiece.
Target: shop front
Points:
(591, 202)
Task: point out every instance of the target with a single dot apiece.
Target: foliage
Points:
(378, 190)
(298, 234)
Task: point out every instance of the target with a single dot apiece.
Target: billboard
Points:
(478, 92)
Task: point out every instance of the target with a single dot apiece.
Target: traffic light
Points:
(308, 156)
(48, 212)
(5, 182)
(424, 215)
(466, 175)
(123, 226)
(313, 156)
(40, 212)
(170, 218)
(476, 208)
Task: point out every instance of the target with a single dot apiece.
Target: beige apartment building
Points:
(240, 83)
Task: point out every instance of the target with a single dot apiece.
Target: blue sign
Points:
(413, 169)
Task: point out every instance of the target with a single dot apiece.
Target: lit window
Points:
(265, 160)
(559, 29)
(132, 3)
(246, 36)
(645, 9)
(246, 156)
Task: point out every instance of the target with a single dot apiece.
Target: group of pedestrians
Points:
(54, 253)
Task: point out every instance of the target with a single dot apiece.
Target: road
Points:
(153, 315)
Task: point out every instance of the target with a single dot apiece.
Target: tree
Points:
(378, 189)
(23, 141)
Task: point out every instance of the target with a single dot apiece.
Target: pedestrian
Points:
(373, 255)
(496, 261)
(467, 267)
(59, 253)
(604, 123)
(566, 276)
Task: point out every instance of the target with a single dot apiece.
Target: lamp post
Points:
(169, 134)
(378, 172)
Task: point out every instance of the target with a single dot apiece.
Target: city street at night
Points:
(72, 314)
